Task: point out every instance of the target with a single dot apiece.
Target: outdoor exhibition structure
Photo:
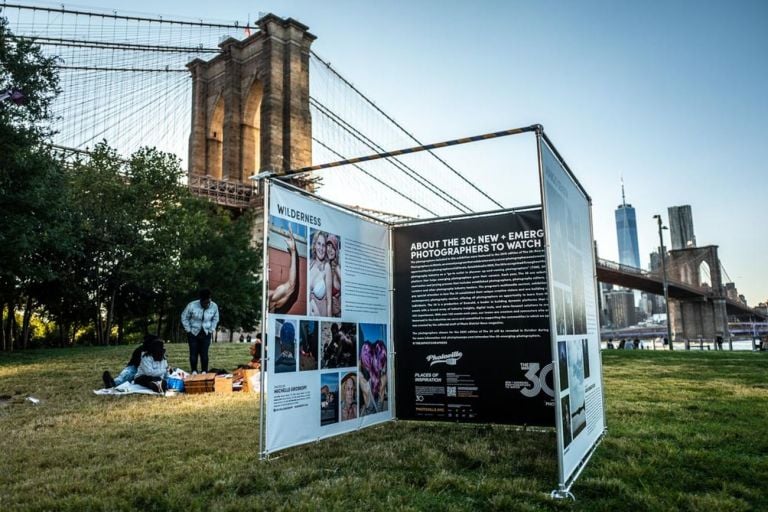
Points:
(483, 318)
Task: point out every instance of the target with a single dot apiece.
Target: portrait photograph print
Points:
(308, 334)
(324, 279)
(348, 400)
(338, 345)
(372, 372)
(286, 344)
(329, 398)
(287, 254)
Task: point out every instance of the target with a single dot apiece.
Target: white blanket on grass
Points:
(126, 388)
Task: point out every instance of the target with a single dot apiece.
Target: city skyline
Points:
(669, 96)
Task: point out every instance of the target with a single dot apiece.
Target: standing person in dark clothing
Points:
(200, 319)
(129, 372)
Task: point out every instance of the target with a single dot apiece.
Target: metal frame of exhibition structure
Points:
(566, 219)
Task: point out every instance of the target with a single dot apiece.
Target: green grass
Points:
(687, 431)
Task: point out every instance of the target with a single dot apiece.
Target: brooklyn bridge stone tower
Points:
(250, 112)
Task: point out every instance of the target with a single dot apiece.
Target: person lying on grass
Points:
(129, 372)
(153, 369)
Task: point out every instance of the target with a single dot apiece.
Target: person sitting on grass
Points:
(153, 369)
(255, 350)
(255, 362)
(129, 372)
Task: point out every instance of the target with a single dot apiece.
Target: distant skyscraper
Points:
(655, 260)
(681, 227)
(621, 304)
(626, 232)
(731, 292)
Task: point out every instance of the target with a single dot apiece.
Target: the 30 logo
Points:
(538, 380)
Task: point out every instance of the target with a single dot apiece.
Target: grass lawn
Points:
(687, 431)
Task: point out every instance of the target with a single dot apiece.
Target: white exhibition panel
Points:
(574, 316)
(304, 398)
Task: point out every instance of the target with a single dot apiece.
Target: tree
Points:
(146, 245)
(30, 178)
(233, 272)
(102, 241)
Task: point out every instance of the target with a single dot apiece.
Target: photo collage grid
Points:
(351, 359)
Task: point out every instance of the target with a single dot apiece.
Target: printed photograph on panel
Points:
(348, 401)
(560, 312)
(562, 358)
(338, 342)
(585, 356)
(333, 253)
(565, 403)
(573, 227)
(374, 394)
(287, 253)
(568, 312)
(558, 229)
(324, 274)
(329, 398)
(577, 292)
(286, 343)
(308, 337)
(576, 378)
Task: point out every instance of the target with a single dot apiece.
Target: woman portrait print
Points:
(320, 276)
(332, 251)
(348, 400)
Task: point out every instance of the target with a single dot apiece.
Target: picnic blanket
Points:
(126, 388)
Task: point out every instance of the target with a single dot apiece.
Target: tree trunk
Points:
(120, 322)
(110, 316)
(99, 321)
(25, 323)
(160, 321)
(2, 325)
(97, 326)
(9, 328)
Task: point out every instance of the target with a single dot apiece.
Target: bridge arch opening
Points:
(251, 130)
(215, 141)
(705, 275)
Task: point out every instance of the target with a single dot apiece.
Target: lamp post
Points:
(664, 279)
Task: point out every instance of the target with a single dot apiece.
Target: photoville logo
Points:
(448, 359)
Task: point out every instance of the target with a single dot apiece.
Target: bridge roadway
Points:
(652, 282)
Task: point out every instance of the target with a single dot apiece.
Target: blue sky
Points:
(671, 96)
